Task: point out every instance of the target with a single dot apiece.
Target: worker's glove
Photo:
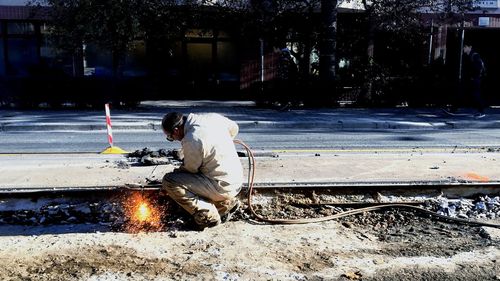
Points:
(177, 154)
(179, 169)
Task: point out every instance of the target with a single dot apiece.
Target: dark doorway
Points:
(485, 41)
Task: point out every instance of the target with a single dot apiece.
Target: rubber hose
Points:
(251, 179)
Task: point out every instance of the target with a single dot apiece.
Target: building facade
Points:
(205, 57)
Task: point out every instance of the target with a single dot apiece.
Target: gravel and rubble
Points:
(389, 245)
(150, 157)
(482, 207)
(111, 209)
(479, 207)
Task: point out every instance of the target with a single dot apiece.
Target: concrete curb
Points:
(448, 188)
(334, 125)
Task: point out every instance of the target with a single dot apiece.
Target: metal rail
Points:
(388, 185)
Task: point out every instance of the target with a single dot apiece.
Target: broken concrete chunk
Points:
(82, 208)
(351, 275)
(483, 207)
(122, 164)
(480, 206)
(149, 160)
(160, 157)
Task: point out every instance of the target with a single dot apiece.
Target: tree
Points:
(161, 23)
(69, 29)
(276, 22)
(328, 62)
(402, 19)
(112, 25)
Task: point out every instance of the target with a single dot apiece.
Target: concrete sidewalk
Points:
(148, 117)
(91, 171)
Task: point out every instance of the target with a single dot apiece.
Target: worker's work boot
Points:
(231, 210)
(204, 219)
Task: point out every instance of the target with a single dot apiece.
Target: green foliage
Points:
(405, 16)
(113, 24)
(395, 32)
(160, 20)
(69, 27)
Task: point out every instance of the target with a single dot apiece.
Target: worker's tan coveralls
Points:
(211, 175)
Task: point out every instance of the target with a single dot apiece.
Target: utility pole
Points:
(429, 59)
(462, 37)
(327, 62)
(261, 64)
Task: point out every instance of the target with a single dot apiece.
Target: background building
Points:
(209, 59)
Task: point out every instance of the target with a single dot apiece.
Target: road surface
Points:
(258, 139)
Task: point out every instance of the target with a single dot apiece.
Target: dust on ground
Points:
(403, 232)
(391, 245)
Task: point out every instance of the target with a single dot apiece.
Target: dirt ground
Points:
(391, 245)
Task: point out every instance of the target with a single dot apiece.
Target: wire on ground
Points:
(251, 179)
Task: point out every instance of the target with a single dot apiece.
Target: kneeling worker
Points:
(207, 182)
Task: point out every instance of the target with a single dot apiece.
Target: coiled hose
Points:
(251, 177)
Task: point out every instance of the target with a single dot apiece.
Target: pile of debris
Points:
(104, 213)
(110, 212)
(113, 212)
(150, 157)
(483, 207)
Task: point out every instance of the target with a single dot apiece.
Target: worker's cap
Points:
(171, 120)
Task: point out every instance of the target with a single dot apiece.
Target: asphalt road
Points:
(271, 139)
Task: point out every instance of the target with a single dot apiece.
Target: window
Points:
(135, 60)
(22, 55)
(2, 59)
(199, 33)
(20, 28)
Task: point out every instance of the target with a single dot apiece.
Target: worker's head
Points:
(173, 126)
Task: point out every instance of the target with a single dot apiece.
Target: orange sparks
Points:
(142, 215)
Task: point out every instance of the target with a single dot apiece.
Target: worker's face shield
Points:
(169, 135)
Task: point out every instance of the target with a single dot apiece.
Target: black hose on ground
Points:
(251, 178)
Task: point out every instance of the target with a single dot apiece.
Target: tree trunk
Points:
(305, 62)
(327, 62)
(78, 70)
(116, 63)
(371, 39)
(370, 50)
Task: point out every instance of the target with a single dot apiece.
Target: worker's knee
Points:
(170, 184)
(167, 180)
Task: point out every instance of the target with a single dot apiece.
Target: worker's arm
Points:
(193, 156)
(233, 128)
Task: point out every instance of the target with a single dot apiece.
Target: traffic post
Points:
(111, 149)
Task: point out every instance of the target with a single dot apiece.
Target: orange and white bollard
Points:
(108, 125)
(111, 149)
